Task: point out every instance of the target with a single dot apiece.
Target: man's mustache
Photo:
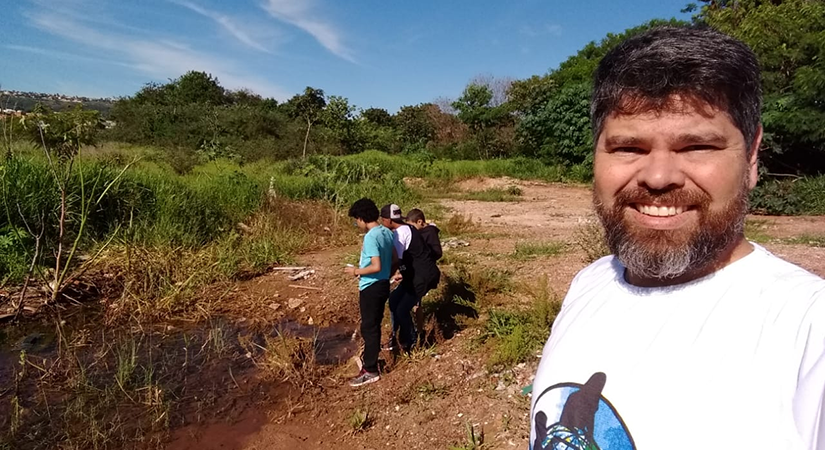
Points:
(677, 197)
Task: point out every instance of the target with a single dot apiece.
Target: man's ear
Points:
(753, 159)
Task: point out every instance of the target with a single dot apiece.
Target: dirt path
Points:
(428, 400)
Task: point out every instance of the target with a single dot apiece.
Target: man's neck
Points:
(371, 225)
(730, 255)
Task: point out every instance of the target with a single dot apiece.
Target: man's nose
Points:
(661, 171)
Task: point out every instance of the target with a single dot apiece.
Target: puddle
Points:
(38, 337)
(333, 344)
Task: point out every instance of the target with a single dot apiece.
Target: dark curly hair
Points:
(701, 65)
(364, 209)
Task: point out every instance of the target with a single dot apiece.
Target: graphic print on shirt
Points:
(571, 416)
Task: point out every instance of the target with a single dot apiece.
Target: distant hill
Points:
(26, 101)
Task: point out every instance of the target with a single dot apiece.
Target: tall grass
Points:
(521, 168)
(518, 334)
(168, 235)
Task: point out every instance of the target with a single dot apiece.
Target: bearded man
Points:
(688, 336)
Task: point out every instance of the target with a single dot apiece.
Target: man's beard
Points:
(668, 254)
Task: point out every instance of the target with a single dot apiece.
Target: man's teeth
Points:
(660, 211)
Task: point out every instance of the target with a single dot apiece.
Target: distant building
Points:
(10, 113)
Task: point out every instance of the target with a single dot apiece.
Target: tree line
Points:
(544, 117)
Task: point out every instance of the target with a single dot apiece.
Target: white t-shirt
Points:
(401, 237)
(735, 360)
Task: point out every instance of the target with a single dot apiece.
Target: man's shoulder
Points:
(598, 274)
(770, 269)
(379, 232)
(604, 267)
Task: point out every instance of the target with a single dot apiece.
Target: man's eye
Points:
(628, 150)
(699, 147)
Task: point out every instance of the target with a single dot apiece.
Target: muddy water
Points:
(333, 344)
(39, 337)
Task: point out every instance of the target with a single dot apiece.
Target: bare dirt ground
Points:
(425, 401)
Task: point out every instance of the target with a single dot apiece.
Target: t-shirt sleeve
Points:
(405, 236)
(401, 240)
(371, 245)
(809, 400)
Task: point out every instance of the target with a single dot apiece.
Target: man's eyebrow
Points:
(702, 138)
(622, 141)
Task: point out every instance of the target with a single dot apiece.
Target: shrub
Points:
(518, 334)
(459, 224)
(789, 197)
(529, 250)
(590, 238)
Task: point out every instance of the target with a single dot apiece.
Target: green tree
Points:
(475, 110)
(414, 124)
(559, 132)
(531, 93)
(378, 116)
(338, 118)
(788, 37)
(554, 109)
(308, 106)
(192, 87)
(62, 134)
(194, 113)
(198, 87)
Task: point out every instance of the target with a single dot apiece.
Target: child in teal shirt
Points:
(373, 284)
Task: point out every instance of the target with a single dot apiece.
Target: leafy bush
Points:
(560, 132)
(14, 259)
(789, 197)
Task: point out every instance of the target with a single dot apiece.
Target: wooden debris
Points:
(288, 269)
(311, 288)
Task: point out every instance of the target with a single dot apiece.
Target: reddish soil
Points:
(427, 400)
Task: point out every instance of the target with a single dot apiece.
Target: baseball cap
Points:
(392, 212)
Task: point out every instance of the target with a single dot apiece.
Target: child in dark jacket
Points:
(429, 232)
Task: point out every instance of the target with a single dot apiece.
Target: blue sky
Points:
(379, 53)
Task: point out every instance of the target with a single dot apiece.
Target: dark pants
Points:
(402, 301)
(371, 302)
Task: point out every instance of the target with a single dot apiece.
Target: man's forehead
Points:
(683, 123)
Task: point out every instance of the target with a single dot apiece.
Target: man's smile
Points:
(660, 210)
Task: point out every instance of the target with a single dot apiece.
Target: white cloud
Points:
(160, 58)
(300, 13)
(227, 23)
(59, 54)
(550, 29)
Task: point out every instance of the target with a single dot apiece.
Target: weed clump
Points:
(360, 420)
(531, 250)
(290, 359)
(516, 335)
(459, 224)
(472, 440)
(590, 239)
